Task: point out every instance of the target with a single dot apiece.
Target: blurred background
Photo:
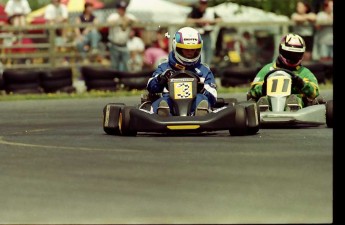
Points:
(245, 40)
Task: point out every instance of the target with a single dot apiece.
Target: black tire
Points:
(56, 84)
(329, 113)
(139, 83)
(137, 80)
(329, 70)
(27, 91)
(100, 83)
(103, 79)
(109, 88)
(67, 89)
(240, 72)
(111, 114)
(253, 117)
(23, 88)
(21, 76)
(57, 74)
(124, 122)
(2, 85)
(98, 73)
(318, 69)
(19, 86)
(240, 127)
(234, 81)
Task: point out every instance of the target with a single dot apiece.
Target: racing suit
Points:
(209, 92)
(306, 94)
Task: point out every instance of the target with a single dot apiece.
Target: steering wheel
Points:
(184, 74)
(189, 74)
(264, 85)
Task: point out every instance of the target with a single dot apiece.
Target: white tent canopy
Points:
(232, 12)
(158, 11)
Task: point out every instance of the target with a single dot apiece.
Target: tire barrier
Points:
(57, 80)
(328, 70)
(234, 76)
(318, 69)
(136, 80)
(97, 78)
(22, 81)
(2, 86)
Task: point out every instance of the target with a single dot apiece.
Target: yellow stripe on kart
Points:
(183, 127)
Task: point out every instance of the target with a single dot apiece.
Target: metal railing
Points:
(43, 52)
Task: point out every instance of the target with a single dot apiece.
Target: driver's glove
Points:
(164, 77)
(297, 82)
(256, 91)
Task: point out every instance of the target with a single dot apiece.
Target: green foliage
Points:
(282, 7)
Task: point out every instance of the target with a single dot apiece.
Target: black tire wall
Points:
(22, 81)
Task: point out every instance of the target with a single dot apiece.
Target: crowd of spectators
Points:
(316, 28)
(129, 52)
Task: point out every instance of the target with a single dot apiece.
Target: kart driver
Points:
(185, 55)
(304, 86)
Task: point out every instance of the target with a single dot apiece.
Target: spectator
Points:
(153, 56)
(119, 33)
(249, 49)
(324, 31)
(17, 11)
(304, 20)
(136, 47)
(87, 37)
(57, 13)
(205, 19)
(161, 41)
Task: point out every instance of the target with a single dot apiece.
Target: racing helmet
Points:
(187, 38)
(291, 49)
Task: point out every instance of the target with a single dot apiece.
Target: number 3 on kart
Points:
(278, 85)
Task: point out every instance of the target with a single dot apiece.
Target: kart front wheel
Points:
(329, 113)
(124, 122)
(110, 118)
(240, 127)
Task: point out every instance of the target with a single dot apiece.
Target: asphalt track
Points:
(58, 166)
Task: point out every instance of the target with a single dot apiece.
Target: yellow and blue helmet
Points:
(187, 38)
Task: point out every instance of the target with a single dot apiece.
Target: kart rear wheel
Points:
(253, 115)
(329, 113)
(111, 117)
(124, 122)
(240, 127)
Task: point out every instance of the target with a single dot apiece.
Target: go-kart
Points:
(277, 86)
(239, 118)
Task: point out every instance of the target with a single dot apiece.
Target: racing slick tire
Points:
(124, 122)
(329, 113)
(111, 114)
(253, 116)
(240, 127)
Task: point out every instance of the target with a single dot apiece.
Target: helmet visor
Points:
(188, 53)
(292, 57)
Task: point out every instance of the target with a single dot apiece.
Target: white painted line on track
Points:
(38, 146)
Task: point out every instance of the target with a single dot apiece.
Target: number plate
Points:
(183, 90)
(278, 85)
